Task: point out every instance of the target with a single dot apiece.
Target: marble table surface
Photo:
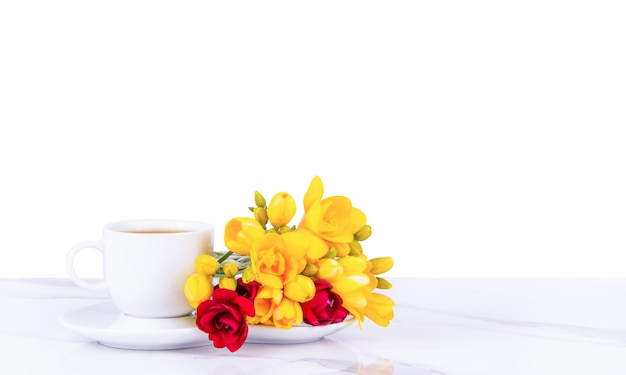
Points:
(442, 326)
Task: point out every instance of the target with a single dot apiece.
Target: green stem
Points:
(224, 257)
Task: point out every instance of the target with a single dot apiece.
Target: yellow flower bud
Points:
(198, 288)
(331, 254)
(310, 270)
(301, 265)
(206, 264)
(343, 249)
(355, 248)
(300, 289)
(383, 283)
(230, 269)
(259, 200)
(260, 215)
(228, 283)
(248, 275)
(381, 265)
(363, 233)
(281, 209)
(328, 269)
(285, 229)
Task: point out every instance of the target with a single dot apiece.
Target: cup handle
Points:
(99, 286)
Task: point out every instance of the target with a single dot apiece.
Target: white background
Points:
(480, 138)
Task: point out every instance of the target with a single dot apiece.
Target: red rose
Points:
(325, 308)
(223, 317)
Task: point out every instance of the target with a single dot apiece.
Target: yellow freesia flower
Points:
(240, 234)
(264, 304)
(281, 209)
(300, 289)
(379, 309)
(333, 219)
(276, 259)
(198, 288)
(355, 303)
(287, 314)
(350, 279)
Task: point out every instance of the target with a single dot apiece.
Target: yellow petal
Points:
(317, 246)
(271, 281)
(355, 303)
(353, 264)
(357, 220)
(314, 192)
(311, 218)
(287, 314)
(296, 244)
(350, 282)
(379, 309)
(328, 269)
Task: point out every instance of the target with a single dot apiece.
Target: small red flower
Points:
(223, 317)
(325, 308)
(248, 290)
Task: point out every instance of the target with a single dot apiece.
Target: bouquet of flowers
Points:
(313, 273)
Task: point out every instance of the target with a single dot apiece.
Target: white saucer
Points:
(259, 334)
(103, 323)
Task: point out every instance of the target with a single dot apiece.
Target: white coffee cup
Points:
(146, 264)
